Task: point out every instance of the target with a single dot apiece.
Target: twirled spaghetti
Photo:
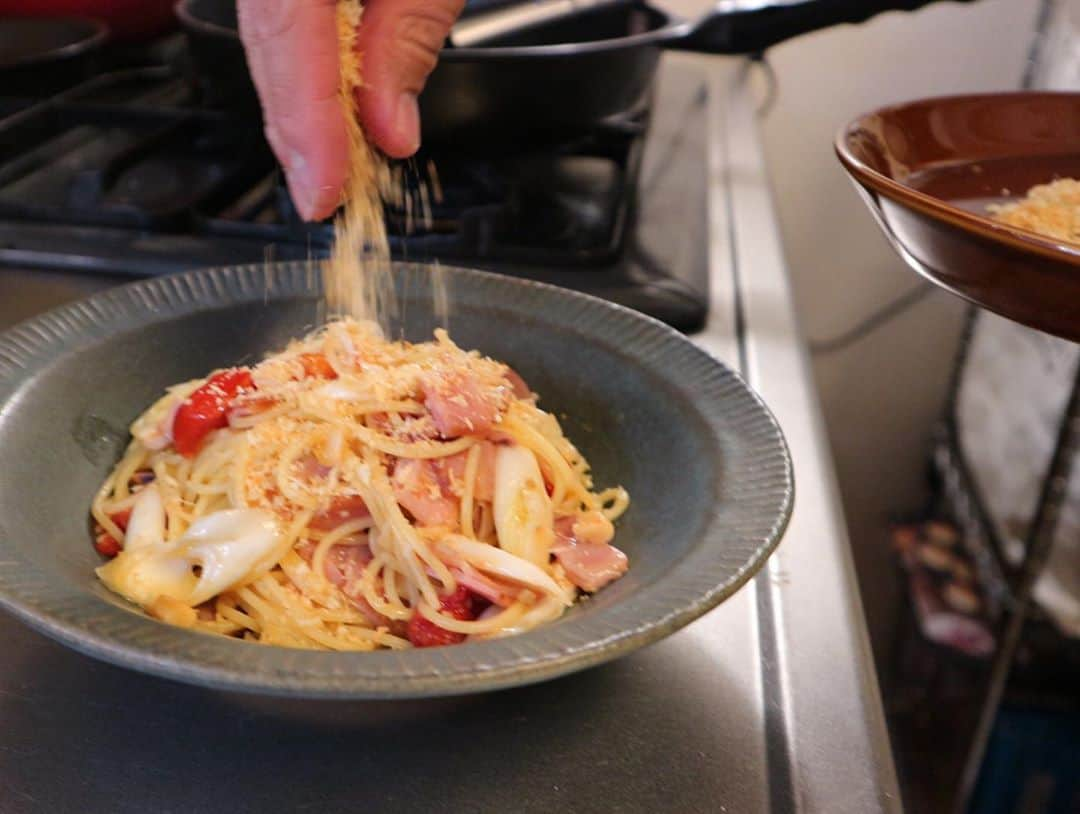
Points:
(352, 493)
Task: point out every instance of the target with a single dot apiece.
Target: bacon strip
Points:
(458, 404)
(589, 565)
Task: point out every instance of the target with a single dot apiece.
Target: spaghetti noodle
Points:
(352, 493)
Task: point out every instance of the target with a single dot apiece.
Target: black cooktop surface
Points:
(126, 173)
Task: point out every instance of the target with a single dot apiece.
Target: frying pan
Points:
(39, 55)
(555, 79)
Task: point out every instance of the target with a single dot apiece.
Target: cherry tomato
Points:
(461, 604)
(107, 545)
(207, 409)
(316, 366)
(121, 518)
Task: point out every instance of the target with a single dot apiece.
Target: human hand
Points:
(292, 52)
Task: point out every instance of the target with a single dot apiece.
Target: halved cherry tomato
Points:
(121, 518)
(107, 545)
(207, 409)
(316, 366)
(461, 604)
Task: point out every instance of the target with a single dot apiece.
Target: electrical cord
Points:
(882, 316)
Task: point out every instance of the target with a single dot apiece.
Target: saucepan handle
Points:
(747, 27)
(493, 19)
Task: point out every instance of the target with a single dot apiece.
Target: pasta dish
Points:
(353, 493)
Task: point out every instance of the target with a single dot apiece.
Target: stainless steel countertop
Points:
(769, 703)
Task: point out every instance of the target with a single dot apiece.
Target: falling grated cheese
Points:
(357, 277)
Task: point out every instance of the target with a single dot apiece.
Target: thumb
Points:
(399, 41)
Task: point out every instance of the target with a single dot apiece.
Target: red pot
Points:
(127, 19)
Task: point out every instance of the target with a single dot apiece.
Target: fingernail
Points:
(300, 184)
(407, 121)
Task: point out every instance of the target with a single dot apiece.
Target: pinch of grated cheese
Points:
(349, 14)
(357, 276)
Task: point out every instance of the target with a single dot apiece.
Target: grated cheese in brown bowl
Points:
(1050, 209)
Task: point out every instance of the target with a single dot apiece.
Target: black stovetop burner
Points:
(567, 208)
(126, 174)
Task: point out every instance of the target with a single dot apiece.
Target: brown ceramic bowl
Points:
(929, 169)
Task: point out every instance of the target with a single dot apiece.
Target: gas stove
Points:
(768, 703)
(127, 173)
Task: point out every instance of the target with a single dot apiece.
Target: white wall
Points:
(882, 395)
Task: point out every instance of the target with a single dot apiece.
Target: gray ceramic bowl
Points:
(704, 461)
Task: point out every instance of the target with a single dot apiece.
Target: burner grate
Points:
(126, 173)
(123, 150)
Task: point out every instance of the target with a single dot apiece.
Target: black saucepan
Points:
(219, 67)
(551, 80)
